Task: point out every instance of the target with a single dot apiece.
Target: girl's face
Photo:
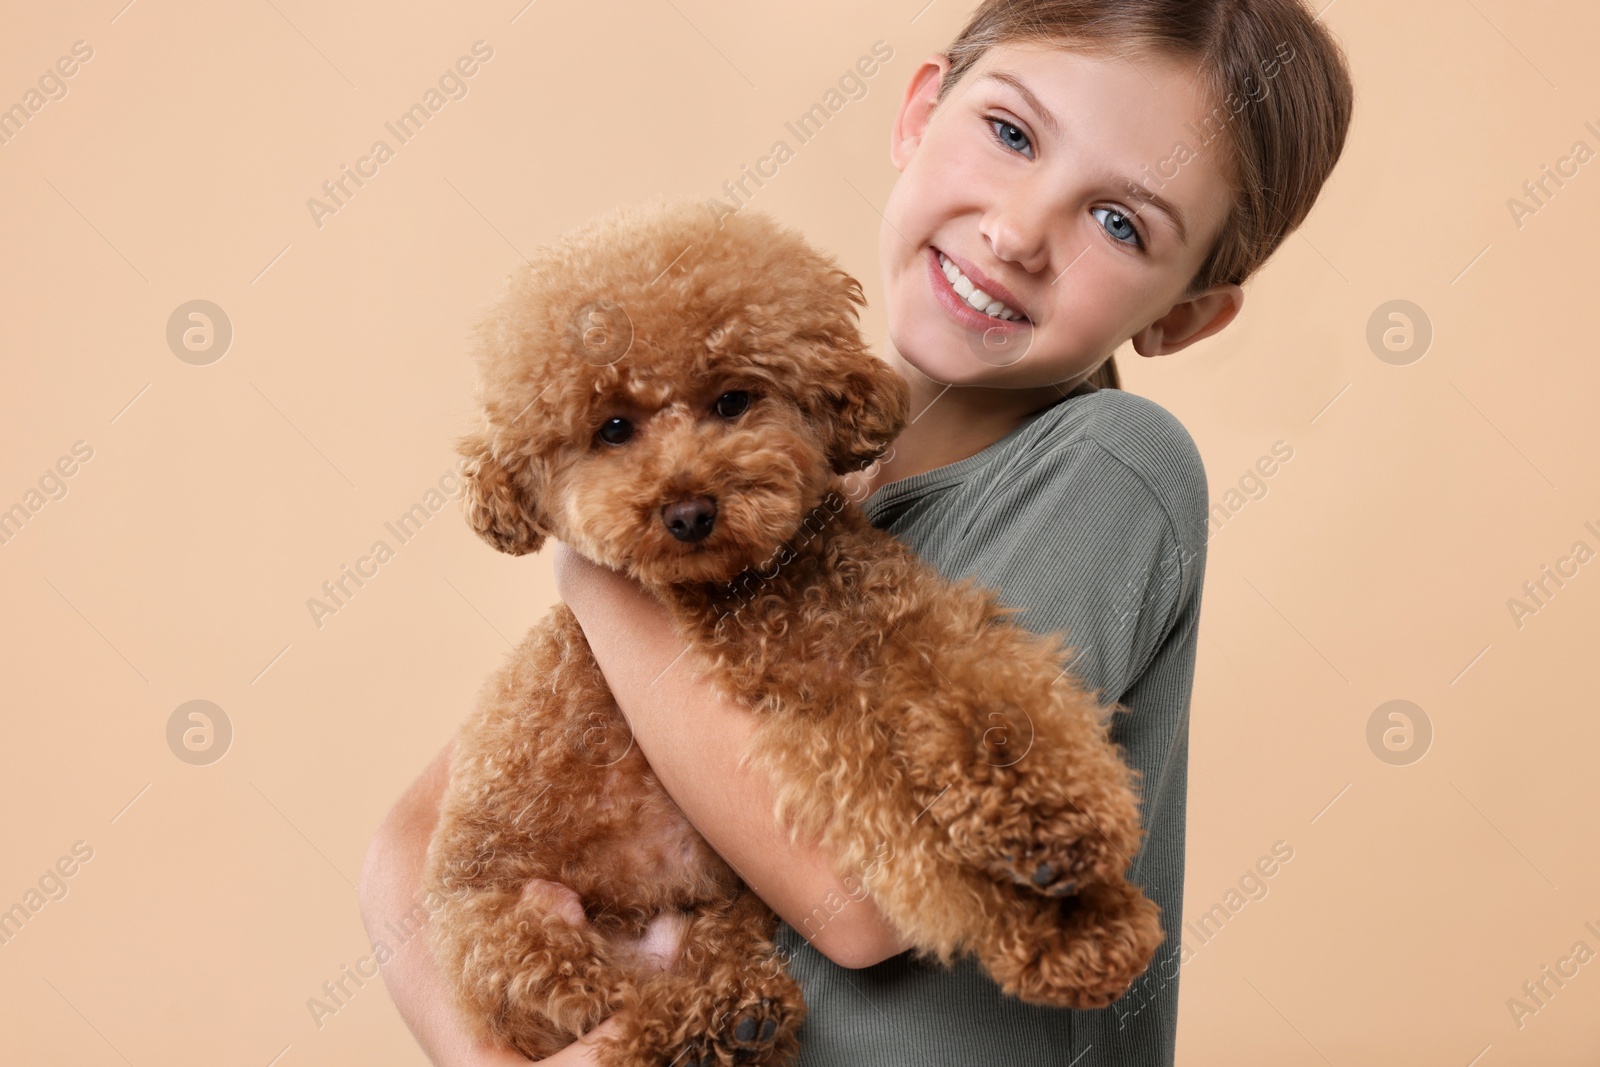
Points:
(1016, 179)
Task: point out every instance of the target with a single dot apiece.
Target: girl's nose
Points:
(1017, 233)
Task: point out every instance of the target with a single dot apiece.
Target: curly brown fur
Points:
(948, 733)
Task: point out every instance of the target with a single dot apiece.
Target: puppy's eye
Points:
(731, 405)
(615, 431)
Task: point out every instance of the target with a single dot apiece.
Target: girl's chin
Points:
(947, 360)
(952, 353)
(948, 355)
(958, 373)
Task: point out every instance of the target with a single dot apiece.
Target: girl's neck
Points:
(950, 423)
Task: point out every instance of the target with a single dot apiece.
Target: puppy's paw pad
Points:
(755, 1029)
(1047, 879)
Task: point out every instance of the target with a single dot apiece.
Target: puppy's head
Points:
(670, 393)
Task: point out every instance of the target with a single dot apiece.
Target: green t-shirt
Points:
(1091, 516)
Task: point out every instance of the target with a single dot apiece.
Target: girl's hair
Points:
(1277, 82)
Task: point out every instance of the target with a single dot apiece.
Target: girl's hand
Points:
(659, 947)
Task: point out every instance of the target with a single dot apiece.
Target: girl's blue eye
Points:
(1123, 227)
(1012, 137)
(1000, 126)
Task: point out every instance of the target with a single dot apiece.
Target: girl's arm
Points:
(693, 734)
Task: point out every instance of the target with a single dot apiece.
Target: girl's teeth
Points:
(975, 297)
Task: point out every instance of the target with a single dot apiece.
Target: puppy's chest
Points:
(842, 628)
(808, 651)
(647, 840)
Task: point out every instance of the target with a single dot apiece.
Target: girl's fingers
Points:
(554, 896)
(658, 948)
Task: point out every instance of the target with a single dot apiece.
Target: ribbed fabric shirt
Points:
(1092, 517)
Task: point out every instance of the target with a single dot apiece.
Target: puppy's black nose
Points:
(690, 520)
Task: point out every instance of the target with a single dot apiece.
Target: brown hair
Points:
(1277, 78)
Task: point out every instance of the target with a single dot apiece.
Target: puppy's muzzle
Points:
(692, 519)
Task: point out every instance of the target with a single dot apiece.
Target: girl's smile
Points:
(996, 340)
(976, 290)
(960, 306)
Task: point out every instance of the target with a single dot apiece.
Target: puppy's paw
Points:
(1082, 952)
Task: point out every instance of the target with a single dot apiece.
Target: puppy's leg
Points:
(1080, 800)
(522, 973)
(1080, 951)
(526, 801)
(1032, 789)
(727, 998)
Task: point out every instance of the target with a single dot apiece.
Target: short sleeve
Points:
(1084, 542)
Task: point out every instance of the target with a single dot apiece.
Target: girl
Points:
(1075, 174)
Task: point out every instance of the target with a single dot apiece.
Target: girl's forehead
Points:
(1073, 83)
(1044, 53)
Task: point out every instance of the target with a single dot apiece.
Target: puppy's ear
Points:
(500, 500)
(870, 404)
(865, 400)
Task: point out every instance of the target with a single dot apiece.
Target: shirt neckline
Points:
(915, 484)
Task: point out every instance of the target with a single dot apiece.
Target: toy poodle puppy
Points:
(680, 399)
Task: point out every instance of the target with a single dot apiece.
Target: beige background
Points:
(1376, 564)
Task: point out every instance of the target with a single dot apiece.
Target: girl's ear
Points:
(1193, 320)
(916, 109)
(501, 500)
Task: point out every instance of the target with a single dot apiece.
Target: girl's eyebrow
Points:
(1005, 77)
(1129, 186)
(1138, 192)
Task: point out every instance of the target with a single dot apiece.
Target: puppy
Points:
(680, 399)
